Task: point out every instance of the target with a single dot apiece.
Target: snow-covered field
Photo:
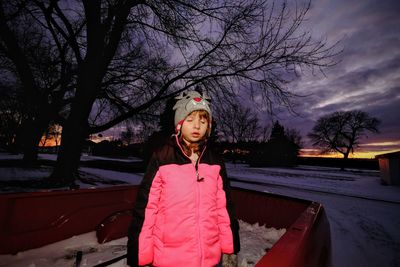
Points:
(364, 215)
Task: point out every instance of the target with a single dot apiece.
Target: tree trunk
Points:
(74, 134)
(99, 53)
(344, 161)
(31, 135)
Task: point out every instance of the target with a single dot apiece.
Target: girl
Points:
(183, 214)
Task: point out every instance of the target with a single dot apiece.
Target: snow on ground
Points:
(84, 157)
(18, 174)
(364, 215)
(90, 177)
(357, 183)
(130, 178)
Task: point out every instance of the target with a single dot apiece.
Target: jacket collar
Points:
(176, 143)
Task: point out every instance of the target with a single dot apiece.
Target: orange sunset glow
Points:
(310, 152)
(365, 151)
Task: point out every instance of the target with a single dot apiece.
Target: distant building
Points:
(389, 166)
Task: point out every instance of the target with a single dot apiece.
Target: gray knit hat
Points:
(186, 104)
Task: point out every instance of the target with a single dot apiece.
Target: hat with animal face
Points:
(188, 103)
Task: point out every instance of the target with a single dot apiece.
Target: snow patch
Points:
(63, 253)
(255, 241)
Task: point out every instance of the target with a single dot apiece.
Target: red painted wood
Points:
(30, 220)
(306, 242)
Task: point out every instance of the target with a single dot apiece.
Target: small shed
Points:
(389, 166)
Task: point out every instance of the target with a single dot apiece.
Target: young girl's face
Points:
(195, 126)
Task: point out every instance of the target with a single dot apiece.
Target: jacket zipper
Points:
(183, 152)
(198, 224)
(196, 167)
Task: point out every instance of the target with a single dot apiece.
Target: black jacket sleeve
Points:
(139, 211)
(231, 208)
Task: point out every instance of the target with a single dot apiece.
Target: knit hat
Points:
(187, 104)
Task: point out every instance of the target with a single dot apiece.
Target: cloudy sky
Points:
(367, 76)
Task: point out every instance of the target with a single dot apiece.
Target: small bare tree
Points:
(238, 124)
(294, 136)
(127, 136)
(55, 132)
(11, 117)
(45, 138)
(52, 133)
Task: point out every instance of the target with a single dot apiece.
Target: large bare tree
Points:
(38, 65)
(341, 131)
(133, 55)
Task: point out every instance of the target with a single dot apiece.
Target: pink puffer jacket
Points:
(181, 217)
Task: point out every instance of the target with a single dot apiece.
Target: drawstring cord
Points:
(196, 166)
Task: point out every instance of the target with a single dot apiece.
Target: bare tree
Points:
(294, 136)
(11, 116)
(341, 131)
(132, 55)
(126, 136)
(45, 138)
(248, 48)
(53, 133)
(39, 66)
(237, 124)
